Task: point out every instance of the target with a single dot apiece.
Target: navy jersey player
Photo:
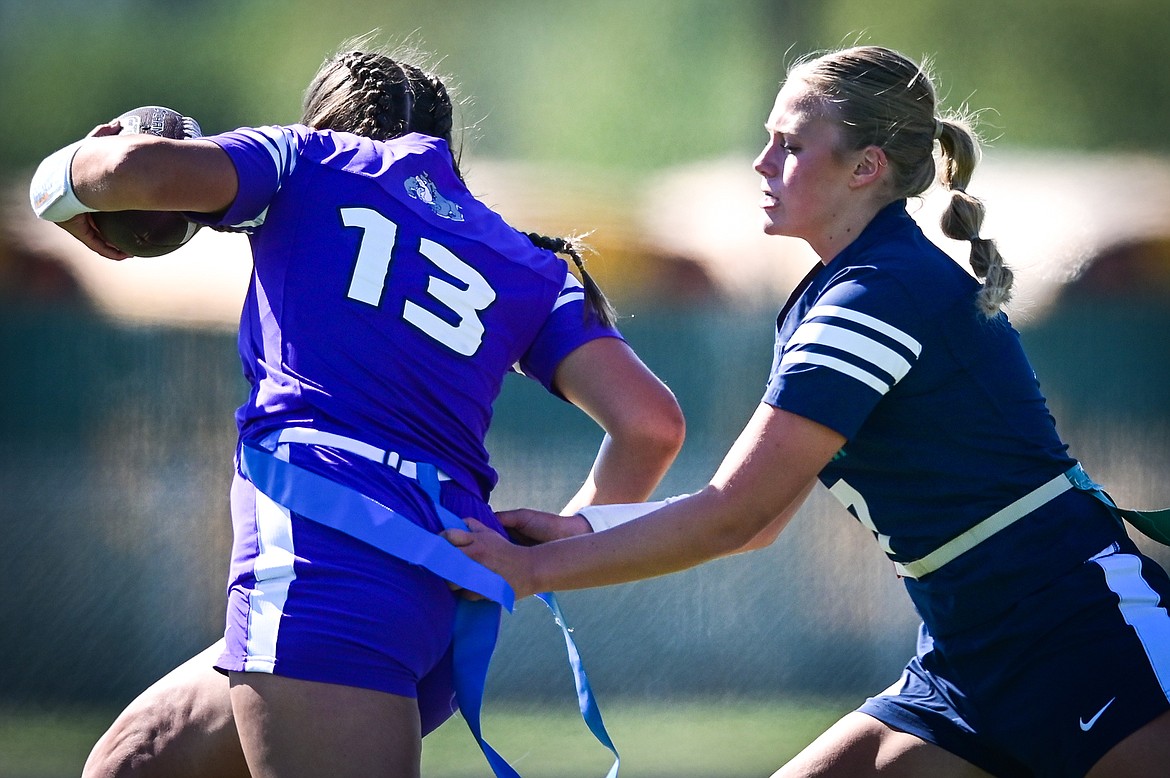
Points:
(386, 307)
(898, 383)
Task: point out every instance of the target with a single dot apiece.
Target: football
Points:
(149, 233)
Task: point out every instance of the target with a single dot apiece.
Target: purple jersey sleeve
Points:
(567, 327)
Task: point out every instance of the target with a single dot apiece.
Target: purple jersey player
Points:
(897, 381)
(386, 306)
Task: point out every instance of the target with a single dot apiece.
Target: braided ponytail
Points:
(963, 217)
(595, 300)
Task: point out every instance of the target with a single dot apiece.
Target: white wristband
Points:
(51, 191)
(603, 517)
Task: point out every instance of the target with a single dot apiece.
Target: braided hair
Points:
(373, 94)
(595, 300)
(377, 95)
(882, 98)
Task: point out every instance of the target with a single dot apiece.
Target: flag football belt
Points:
(477, 622)
(1153, 524)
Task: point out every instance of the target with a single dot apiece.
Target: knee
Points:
(124, 751)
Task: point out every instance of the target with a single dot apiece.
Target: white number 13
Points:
(372, 270)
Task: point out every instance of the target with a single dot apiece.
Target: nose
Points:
(764, 163)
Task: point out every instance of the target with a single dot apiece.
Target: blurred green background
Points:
(607, 83)
(116, 435)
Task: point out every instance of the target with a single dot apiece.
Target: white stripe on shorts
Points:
(1139, 606)
(274, 573)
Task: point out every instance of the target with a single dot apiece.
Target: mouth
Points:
(768, 200)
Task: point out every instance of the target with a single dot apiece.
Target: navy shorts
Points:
(1053, 685)
(307, 601)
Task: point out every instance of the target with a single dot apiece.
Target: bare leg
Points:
(1145, 752)
(303, 729)
(859, 745)
(180, 727)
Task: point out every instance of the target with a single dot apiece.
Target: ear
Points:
(871, 166)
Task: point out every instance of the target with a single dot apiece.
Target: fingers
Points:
(457, 537)
(463, 538)
(112, 127)
(512, 519)
(82, 228)
(521, 539)
(466, 594)
(540, 527)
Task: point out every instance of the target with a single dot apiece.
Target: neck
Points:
(844, 229)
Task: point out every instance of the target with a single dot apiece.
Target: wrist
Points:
(577, 525)
(603, 517)
(532, 579)
(51, 190)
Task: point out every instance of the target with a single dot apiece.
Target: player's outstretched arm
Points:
(755, 491)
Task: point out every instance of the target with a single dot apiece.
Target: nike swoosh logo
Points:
(1087, 725)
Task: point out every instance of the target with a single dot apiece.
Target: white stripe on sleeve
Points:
(871, 361)
(572, 290)
(861, 346)
(869, 321)
(278, 142)
(840, 365)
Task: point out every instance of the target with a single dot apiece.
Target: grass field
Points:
(682, 739)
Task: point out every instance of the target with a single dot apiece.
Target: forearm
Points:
(757, 488)
(624, 471)
(134, 172)
(678, 536)
(93, 174)
(108, 176)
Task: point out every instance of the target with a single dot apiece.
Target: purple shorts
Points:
(308, 601)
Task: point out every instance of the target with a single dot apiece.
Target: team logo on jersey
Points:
(421, 187)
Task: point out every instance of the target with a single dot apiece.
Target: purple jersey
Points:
(387, 303)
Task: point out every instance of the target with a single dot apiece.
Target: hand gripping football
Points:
(150, 233)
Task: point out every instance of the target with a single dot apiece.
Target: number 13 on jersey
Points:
(372, 271)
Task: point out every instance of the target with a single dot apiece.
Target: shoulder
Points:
(272, 138)
(904, 275)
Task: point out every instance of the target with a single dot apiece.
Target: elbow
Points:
(660, 432)
(762, 539)
(655, 429)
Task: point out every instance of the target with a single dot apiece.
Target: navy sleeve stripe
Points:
(854, 344)
(841, 366)
(836, 311)
(864, 349)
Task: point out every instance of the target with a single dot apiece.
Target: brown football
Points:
(149, 233)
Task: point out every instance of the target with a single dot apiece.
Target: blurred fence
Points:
(115, 461)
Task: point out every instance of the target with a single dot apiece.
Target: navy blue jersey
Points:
(387, 303)
(943, 416)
